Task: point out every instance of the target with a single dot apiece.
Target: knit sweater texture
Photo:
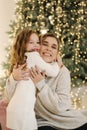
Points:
(53, 103)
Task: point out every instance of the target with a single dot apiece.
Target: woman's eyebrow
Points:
(45, 41)
(54, 44)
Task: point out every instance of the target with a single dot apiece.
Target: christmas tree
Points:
(65, 18)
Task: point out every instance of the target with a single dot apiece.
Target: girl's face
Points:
(33, 43)
(49, 49)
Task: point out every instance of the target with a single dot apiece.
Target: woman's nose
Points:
(49, 48)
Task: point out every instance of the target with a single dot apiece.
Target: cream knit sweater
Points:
(53, 105)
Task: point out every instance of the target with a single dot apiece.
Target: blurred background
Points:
(6, 14)
(67, 19)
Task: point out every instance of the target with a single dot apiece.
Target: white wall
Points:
(7, 9)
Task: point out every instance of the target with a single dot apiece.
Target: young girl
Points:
(20, 110)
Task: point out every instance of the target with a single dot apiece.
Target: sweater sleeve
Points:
(34, 58)
(58, 99)
(10, 87)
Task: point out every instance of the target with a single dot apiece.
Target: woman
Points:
(53, 104)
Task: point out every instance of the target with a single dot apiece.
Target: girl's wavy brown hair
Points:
(19, 48)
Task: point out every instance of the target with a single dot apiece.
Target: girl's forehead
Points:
(34, 36)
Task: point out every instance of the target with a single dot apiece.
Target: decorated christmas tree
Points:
(65, 18)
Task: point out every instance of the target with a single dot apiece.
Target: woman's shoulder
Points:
(64, 77)
(64, 72)
(65, 69)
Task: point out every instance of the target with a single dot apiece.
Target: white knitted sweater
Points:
(53, 104)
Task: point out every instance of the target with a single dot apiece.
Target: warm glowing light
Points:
(43, 31)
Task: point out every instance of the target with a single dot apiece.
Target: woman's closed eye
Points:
(44, 44)
(54, 47)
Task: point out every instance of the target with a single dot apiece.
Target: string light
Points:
(79, 97)
(43, 31)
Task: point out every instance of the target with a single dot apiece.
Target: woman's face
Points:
(33, 43)
(49, 49)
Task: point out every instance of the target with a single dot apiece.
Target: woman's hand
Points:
(36, 75)
(59, 60)
(19, 73)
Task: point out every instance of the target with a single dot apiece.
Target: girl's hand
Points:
(19, 73)
(59, 60)
(3, 103)
(36, 75)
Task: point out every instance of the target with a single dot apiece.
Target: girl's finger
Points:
(43, 73)
(15, 66)
(37, 70)
(32, 74)
(22, 66)
(34, 71)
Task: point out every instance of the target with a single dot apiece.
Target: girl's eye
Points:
(30, 42)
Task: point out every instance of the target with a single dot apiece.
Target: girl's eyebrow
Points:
(33, 40)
